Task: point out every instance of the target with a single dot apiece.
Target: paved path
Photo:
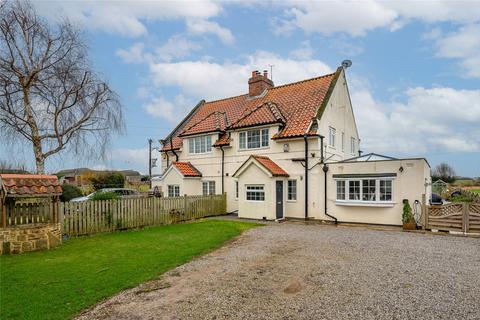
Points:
(295, 271)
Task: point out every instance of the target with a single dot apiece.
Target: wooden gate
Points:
(461, 217)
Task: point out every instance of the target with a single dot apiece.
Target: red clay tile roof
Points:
(22, 185)
(216, 121)
(298, 102)
(187, 169)
(271, 166)
(266, 113)
(224, 140)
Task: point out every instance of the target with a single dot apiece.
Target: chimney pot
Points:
(258, 83)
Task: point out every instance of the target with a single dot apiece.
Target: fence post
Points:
(466, 220)
(185, 204)
(424, 212)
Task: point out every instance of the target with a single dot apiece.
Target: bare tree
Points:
(49, 95)
(444, 172)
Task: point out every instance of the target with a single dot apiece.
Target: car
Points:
(123, 193)
(436, 199)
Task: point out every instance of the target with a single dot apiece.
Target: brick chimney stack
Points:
(258, 83)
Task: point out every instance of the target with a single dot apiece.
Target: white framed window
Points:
(208, 188)
(343, 141)
(367, 190)
(353, 145)
(236, 189)
(253, 139)
(200, 144)
(173, 190)
(292, 190)
(255, 192)
(331, 136)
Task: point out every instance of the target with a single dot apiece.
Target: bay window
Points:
(254, 139)
(365, 190)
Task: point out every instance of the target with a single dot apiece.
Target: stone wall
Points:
(30, 237)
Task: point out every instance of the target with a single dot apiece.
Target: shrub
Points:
(104, 196)
(407, 216)
(69, 192)
(108, 180)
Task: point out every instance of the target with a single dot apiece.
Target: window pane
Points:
(368, 190)
(354, 190)
(331, 136)
(352, 145)
(190, 145)
(243, 144)
(204, 188)
(211, 189)
(209, 144)
(340, 190)
(385, 190)
(265, 138)
(343, 141)
(253, 139)
(292, 190)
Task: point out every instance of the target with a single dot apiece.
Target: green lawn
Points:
(58, 283)
(475, 190)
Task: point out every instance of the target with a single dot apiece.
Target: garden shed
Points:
(29, 218)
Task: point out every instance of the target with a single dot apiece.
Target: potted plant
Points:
(407, 217)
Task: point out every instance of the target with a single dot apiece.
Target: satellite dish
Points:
(346, 64)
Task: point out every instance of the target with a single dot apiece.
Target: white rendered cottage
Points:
(283, 152)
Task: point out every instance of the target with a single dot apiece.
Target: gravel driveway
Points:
(296, 271)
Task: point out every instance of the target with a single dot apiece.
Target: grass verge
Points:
(59, 283)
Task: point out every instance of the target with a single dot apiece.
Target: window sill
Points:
(291, 201)
(365, 203)
(251, 149)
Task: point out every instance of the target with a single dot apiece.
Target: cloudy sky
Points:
(415, 79)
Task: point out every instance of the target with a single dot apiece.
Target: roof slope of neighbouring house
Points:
(293, 106)
(30, 185)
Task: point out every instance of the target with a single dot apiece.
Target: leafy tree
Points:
(49, 95)
(69, 192)
(444, 172)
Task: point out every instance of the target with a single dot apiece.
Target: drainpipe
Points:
(305, 136)
(173, 150)
(223, 167)
(325, 170)
(321, 148)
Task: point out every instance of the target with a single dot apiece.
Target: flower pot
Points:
(409, 226)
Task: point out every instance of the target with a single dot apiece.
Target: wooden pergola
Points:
(17, 186)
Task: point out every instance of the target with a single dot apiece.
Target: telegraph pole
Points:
(150, 141)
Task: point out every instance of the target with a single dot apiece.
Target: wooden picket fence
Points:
(90, 217)
(461, 217)
(29, 212)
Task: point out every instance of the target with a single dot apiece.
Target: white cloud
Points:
(127, 17)
(210, 80)
(328, 17)
(304, 52)
(201, 26)
(463, 44)
(356, 18)
(173, 111)
(430, 120)
(134, 54)
(175, 47)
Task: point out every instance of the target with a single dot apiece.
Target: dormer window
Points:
(201, 144)
(253, 139)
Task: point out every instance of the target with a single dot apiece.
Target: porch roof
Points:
(29, 185)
